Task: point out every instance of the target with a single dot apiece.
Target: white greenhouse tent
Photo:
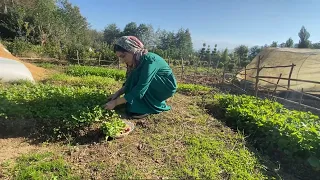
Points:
(11, 69)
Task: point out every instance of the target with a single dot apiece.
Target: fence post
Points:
(182, 68)
(289, 79)
(209, 62)
(223, 74)
(257, 76)
(78, 57)
(245, 78)
(195, 72)
(301, 97)
(99, 59)
(118, 63)
(275, 89)
(290, 74)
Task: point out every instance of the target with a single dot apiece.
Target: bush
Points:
(20, 47)
(52, 51)
(295, 133)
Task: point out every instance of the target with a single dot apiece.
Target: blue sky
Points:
(227, 23)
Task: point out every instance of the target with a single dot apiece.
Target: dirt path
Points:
(11, 148)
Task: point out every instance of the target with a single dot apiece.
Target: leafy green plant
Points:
(192, 89)
(295, 133)
(76, 70)
(113, 126)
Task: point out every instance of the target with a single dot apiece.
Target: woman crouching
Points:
(149, 80)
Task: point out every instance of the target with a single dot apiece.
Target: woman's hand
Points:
(116, 95)
(113, 97)
(110, 105)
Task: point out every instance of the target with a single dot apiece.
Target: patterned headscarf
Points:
(134, 45)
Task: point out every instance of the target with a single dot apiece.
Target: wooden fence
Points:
(287, 88)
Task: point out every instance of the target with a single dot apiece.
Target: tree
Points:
(167, 44)
(282, 45)
(316, 45)
(242, 52)
(225, 56)
(130, 29)
(177, 45)
(111, 33)
(254, 51)
(289, 43)
(146, 34)
(214, 55)
(203, 52)
(12, 23)
(304, 38)
(274, 44)
(226, 60)
(96, 37)
(183, 42)
(208, 55)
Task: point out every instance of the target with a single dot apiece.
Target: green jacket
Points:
(149, 85)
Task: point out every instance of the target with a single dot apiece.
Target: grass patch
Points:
(193, 89)
(199, 147)
(42, 166)
(125, 171)
(95, 71)
(209, 158)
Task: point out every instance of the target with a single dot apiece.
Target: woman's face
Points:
(126, 57)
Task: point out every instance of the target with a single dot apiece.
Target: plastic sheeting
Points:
(11, 70)
(307, 67)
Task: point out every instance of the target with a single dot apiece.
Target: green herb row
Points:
(295, 133)
(88, 81)
(96, 71)
(192, 89)
(56, 109)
